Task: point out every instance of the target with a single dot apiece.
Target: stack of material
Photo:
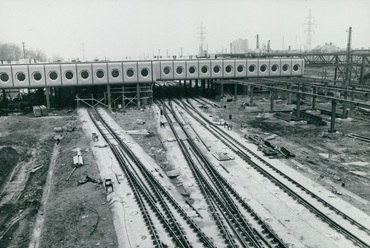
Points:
(37, 111)
(44, 110)
(311, 118)
(78, 160)
(40, 111)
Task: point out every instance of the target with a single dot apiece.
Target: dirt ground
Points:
(330, 159)
(75, 216)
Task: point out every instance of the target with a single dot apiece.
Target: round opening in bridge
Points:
(115, 73)
(192, 70)
(296, 67)
(274, 68)
(204, 69)
(4, 77)
(130, 73)
(179, 70)
(21, 77)
(37, 76)
(69, 75)
(251, 68)
(144, 72)
(85, 74)
(53, 75)
(240, 68)
(285, 67)
(216, 69)
(263, 68)
(228, 68)
(167, 70)
(99, 73)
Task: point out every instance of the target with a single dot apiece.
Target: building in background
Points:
(240, 46)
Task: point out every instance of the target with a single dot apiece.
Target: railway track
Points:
(152, 198)
(276, 176)
(221, 198)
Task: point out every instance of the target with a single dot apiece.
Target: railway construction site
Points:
(195, 167)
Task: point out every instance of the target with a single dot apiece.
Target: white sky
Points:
(116, 29)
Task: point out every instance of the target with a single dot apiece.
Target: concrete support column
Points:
(250, 90)
(272, 93)
(5, 102)
(222, 88)
(123, 97)
(208, 83)
(196, 84)
(138, 95)
(314, 92)
(332, 121)
(109, 97)
(298, 108)
(245, 90)
(47, 94)
(289, 87)
(236, 91)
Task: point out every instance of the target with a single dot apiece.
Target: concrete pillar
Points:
(196, 84)
(245, 89)
(289, 87)
(298, 108)
(208, 83)
(222, 88)
(138, 95)
(314, 92)
(109, 97)
(236, 91)
(47, 94)
(123, 97)
(272, 93)
(250, 90)
(332, 121)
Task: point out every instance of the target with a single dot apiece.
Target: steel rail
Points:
(152, 230)
(220, 183)
(156, 185)
(325, 218)
(237, 219)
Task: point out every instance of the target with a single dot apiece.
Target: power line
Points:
(309, 23)
(202, 37)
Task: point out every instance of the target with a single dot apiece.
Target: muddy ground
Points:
(75, 216)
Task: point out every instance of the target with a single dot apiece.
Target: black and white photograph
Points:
(184, 124)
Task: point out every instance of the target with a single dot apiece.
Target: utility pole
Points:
(309, 23)
(268, 46)
(24, 49)
(202, 37)
(347, 79)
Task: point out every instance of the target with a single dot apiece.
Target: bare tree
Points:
(36, 54)
(10, 51)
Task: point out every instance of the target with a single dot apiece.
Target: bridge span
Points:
(13, 76)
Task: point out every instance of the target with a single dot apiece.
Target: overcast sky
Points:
(116, 29)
